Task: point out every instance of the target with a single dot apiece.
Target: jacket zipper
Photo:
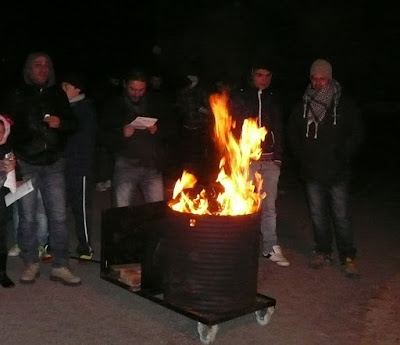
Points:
(45, 143)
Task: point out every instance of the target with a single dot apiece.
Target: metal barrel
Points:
(211, 262)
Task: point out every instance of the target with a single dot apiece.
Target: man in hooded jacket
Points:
(42, 122)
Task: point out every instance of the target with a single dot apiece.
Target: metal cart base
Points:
(131, 235)
(207, 323)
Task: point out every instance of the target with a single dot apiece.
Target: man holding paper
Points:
(136, 141)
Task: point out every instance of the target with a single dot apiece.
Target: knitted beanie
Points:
(75, 79)
(321, 67)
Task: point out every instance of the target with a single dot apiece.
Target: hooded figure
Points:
(34, 139)
(50, 80)
(43, 120)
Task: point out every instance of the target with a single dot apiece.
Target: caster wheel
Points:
(207, 333)
(264, 316)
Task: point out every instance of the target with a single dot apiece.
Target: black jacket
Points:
(142, 146)
(32, 140)
(327, 158)
(245, 104)
(80, 150)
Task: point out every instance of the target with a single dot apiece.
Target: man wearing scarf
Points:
(324, 132)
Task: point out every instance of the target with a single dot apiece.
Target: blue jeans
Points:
(50, 180)
(270, 173)
(326, 203)
(41, 218)
(128, 177)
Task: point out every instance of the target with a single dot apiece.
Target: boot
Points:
(5, 282)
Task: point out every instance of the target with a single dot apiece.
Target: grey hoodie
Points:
(28, 65)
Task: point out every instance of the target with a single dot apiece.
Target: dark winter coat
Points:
(142, 146)
(326, 158)
(244, 104)
(32, 140)
(80, 148)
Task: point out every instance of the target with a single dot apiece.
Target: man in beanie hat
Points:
(257, 101)
(42, 123)
(321, 67)
(324, 131)
(79, 155)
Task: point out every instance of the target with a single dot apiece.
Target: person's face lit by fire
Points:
(39, 72)
(135, 89)
(261, 78)
(319, 81)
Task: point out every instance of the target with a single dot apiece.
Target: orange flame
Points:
(240, 195)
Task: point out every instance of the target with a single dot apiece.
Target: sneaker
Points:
(47, 257)
(86, 256)
(42, 251)
(14, 250)
(276, 256)
(85, 252)
(319, 260)
(65, 276)
(30, 274)
(350, 269)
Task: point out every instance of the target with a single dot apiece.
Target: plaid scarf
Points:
(317, 102)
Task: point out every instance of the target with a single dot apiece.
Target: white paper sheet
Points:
(143, 122)
(11, 181)
(21, 191)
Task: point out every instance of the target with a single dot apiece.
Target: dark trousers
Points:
(50, 180)
(329, 206)
(79, 199)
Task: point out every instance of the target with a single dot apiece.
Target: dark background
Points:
(222, 38)
(215, 37)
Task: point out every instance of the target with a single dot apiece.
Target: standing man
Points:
(42, 122)
(257, 101)
(137, 150)
(79, 155)
(325, 131)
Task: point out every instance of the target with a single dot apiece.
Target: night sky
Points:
(213, 37)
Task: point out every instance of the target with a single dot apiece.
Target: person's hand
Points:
(53, 121)
(128, 130)
(7, 165)
(152, 129)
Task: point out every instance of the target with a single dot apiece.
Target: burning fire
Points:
(240, 196)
